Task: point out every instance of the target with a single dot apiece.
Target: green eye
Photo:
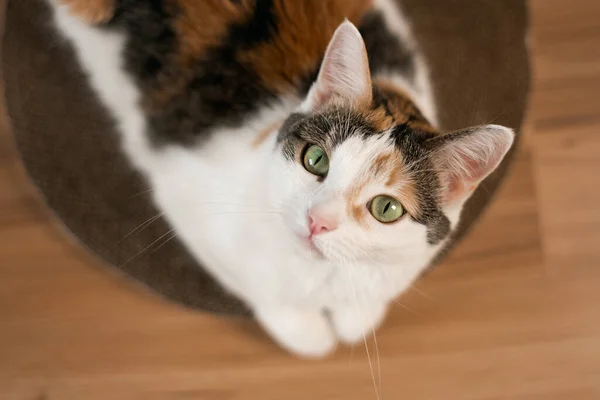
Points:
(386, 209)
(316, 161)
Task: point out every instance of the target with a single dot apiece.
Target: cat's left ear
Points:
(465, 158)
(344, 74)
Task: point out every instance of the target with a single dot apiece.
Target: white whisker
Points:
(406, 308)
(165, 242)
(141, 226)
(244, 213)
(422, 293)
(147, 247)
(141, 193)
(377, 356)
(359, 315)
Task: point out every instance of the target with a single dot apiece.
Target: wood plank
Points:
(511, 314)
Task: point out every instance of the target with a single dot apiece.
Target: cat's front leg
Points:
(353, 323)
(306, 333)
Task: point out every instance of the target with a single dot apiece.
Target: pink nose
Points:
(319, 224)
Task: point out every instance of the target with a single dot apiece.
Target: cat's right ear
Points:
(465, 158)
(344, 74)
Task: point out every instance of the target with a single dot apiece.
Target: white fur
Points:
(100, 54)
(239, 210)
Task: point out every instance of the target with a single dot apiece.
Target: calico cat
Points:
(291, 144)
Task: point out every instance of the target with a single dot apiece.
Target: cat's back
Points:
(214, 63)
(205, 66)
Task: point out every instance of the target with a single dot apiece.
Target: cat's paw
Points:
(305, 333)
(352, 325)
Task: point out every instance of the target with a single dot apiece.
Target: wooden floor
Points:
(513, 314)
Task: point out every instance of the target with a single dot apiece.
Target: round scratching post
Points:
(477, 57)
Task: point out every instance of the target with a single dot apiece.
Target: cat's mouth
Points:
(311, 247)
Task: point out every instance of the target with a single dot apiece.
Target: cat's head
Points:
(360, 172)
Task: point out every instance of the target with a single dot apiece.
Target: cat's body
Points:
(212, 99)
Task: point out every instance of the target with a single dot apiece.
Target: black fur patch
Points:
(221, 92)
(299, 129)
(260, 28)
(386, 52)
(416, 151)
(151, 41)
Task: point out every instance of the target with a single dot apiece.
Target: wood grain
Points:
(512, 313)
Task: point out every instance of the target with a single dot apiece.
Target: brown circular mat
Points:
(478, 59)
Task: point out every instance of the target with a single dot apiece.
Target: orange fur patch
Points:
(382, 163)
(91, 11)
(390, 167)
(399, 109)
(359, 213)
(398, 181)
(356, 209)
(401, 106)
(381, 166)
(406, 193)
(305, 29)
(378, 117)
(201, 24)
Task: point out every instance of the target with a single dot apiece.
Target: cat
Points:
(292, 145)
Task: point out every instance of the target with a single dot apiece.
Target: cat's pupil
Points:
(387, 206)
(318, 159)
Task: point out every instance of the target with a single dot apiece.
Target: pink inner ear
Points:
(477, 169)
(322, 96)
(461, 184)
(345, 70)
(468, 174)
